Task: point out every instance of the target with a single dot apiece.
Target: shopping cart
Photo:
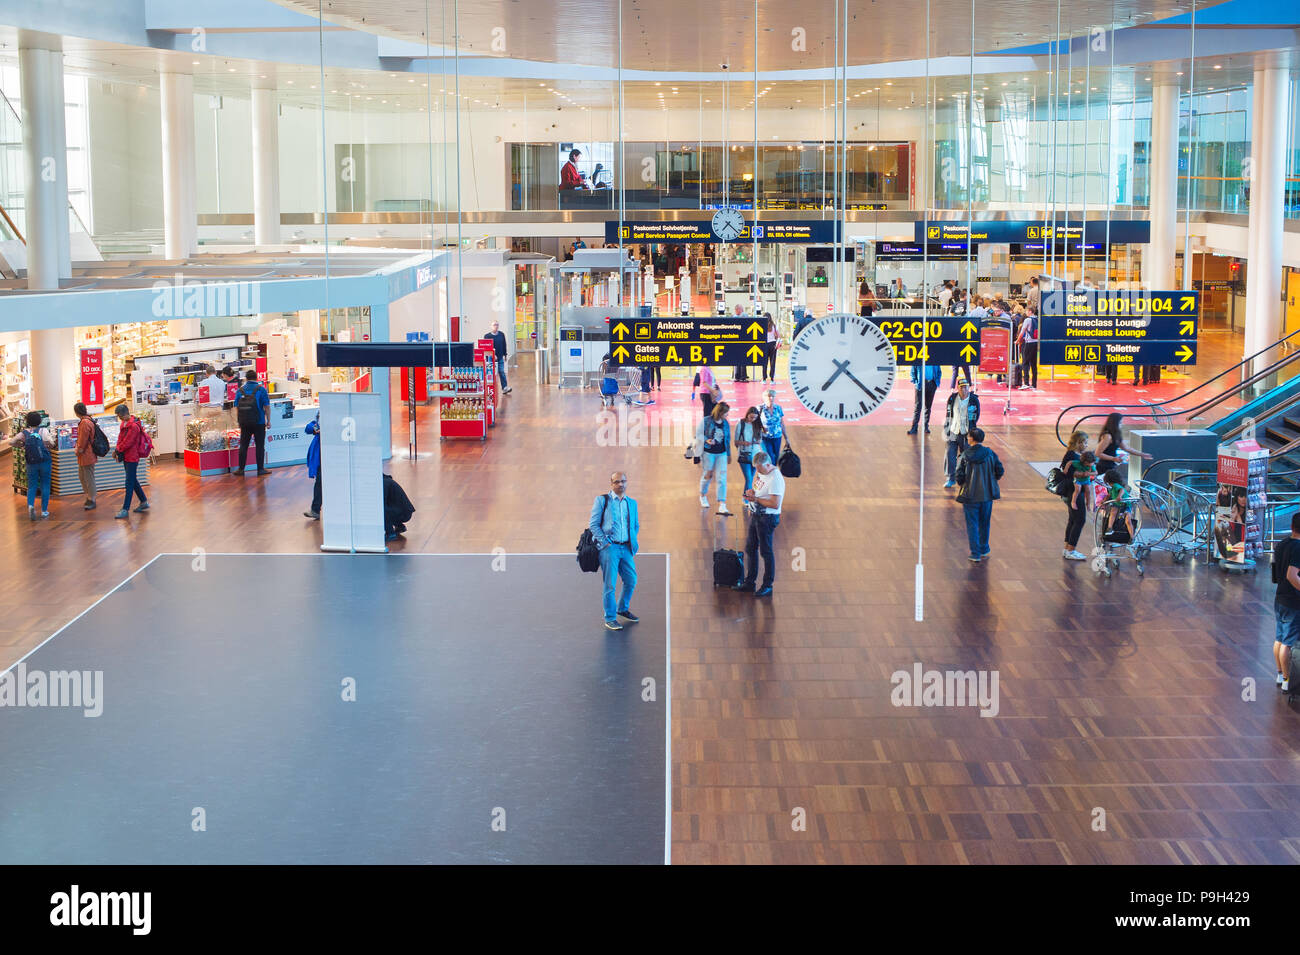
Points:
(1116, 527)
(1164, 523)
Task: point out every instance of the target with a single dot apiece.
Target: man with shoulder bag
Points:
(615, 526)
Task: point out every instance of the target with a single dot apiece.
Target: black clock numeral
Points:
(865, 328)
(798, 367)
(841, 410)
(863, 406)
(882, 345)
(800, 391)
(820, 330)
(842, 325)
(881, 391)
(818, 409)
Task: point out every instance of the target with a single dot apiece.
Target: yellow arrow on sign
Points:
(967, 352)
(968, 328)
(755, 353)
(1187, 328)
(755, 329)
(621, 329)
(1184, 353)
(625, 352)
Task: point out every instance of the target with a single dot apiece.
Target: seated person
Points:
(1120, 522)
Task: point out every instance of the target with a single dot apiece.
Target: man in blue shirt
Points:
(253, 412)
(615, 525)
(926, 385)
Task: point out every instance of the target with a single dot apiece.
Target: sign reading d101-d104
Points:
(737, 340)
(1089, 326)
(933, 340)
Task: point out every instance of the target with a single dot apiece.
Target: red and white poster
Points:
(92, 377)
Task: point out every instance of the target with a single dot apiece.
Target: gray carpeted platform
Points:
(475, 689)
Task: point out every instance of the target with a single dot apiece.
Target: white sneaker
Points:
(1074, 555)
(1286, 686)
(722, 508)
(704, 500)
(1280, 679)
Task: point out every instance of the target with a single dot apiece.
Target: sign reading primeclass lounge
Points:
(1035, 230)
(795, 231)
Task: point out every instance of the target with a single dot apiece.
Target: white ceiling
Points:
(689, 36)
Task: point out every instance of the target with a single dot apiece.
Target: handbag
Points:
(745, 457)
(789, 461)
(588, 550)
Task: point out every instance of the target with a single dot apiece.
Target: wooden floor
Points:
(1123, 696)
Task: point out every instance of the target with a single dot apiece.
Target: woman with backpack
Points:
(36, 443)
(713, 436)
(132, 445)
(86, 456)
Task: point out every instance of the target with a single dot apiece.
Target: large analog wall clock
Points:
(842, 367)
(728, 224)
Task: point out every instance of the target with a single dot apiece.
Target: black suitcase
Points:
(728, 565)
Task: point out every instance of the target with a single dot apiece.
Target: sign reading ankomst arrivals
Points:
(738, 340)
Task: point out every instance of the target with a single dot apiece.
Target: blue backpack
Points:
(34, 448)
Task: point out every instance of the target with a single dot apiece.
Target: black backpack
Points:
(99, 442)
(246, 408)
(588, 552)
(1056, 482)
(1281, 560)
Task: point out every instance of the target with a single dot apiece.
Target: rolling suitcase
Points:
(728, 565)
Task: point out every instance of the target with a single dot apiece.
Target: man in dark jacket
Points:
(499, 347)
(978, 474)
(926, 384)
(397, 509)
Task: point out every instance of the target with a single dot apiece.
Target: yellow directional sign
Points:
(723, 340)
(1184, 353)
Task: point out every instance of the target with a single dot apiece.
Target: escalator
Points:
(1225, 404)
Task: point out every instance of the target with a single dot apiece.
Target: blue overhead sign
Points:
(1034, 230)
(793, 231)
(1093, 327)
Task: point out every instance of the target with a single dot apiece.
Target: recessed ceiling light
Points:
(194, 63)
(1218, 66)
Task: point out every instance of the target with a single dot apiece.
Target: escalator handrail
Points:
(1183, 397)
(1264, 417)
(1270, 369)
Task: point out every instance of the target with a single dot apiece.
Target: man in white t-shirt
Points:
(216, 389)
(945, 295)
(764, 499)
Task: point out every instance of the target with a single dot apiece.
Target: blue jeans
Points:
(714, 464)
(38, 475)
(759, 541)
(617, 559)
(978, 517)
(1288, 625)
(132, 484)
(950, 460)
(747, 468)
(773, 447)
(501, 370)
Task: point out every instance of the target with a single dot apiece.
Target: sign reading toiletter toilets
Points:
(352, 472)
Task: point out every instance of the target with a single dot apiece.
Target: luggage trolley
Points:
(1162, 517)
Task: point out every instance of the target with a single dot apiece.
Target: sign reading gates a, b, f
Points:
(736, 340)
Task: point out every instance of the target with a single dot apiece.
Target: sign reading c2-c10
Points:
(933, 340)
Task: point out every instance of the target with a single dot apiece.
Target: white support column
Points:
(1267, 189)
(45, 165)
(180, 209)
(1158, 262)
(266, 167)
(180, 203)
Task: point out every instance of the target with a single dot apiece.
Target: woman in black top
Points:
(1078, 510)
(1110, 442)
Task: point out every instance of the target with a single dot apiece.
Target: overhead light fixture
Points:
(1218, 66)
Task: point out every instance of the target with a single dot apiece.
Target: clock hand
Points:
(839, 370)
(853, 378)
